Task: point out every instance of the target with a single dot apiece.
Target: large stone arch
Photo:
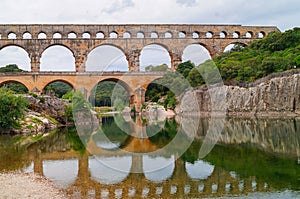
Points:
(163, 46)
(196, 52)
(126, 86)
(66, 49)
(56, 44)
(45, 84)
(118, 81)
(233, 43)
(208, 47)
(25, 51)
(113, 46)
(2, 83)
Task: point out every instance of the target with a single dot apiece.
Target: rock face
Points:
(45, 114)
(35, 123)
(279, 96)
(48, 105)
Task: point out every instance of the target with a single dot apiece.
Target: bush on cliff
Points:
(12, 108)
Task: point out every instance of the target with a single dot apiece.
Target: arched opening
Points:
(199, 170)
(113, 35)
(126, 35)
(236, 35)
(86, 35)
(158, 169)
(153, 57)
(249, 34)
(155, 91)
(110, 170)
(168, 35)
(182, 34)
(15, 86)
(140, 35)
(59, 88)
(27, 35)
(72, 35)
(209, 34)
(110, 93)
(234, 47)
(196, 35)
(100, 35)
(154, 35)
(42, 35)
(57, 58)
(223, 35)
(57, 35)
(12, 35)
(195, 53)
(106, 58)
(15, 55)
(113, 134)
(261, 34)
(62, 178)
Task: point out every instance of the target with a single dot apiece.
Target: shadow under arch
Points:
(13, 53)
(111, 57)
(119, 84)
(64, 61)
(7, 83)
(65, 87)
(158, 169)
(155, 51)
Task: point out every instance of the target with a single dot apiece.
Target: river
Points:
(173, 158)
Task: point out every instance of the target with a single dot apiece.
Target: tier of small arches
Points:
(139, 35)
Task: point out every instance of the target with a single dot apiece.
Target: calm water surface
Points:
(254, 158)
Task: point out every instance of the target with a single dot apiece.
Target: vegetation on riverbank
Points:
(277, 52)
(12, 109)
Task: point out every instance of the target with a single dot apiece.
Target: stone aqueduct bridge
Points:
(130, 39)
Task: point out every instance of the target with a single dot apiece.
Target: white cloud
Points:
(187, 2)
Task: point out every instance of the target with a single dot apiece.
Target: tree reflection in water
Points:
(253, 156)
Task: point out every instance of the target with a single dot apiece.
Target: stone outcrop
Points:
(48, 105)
(45, 113)
(35, 123)
(279, 96)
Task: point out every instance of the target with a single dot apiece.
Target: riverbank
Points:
(21, 185)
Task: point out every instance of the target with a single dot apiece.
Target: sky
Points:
(284, 14)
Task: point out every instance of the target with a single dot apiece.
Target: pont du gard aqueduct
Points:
(130, 39)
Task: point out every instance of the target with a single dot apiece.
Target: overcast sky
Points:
(284, 14)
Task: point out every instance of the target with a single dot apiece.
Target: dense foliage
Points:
(10, 68)
(14, 86)
(276, 53)
(12, 108)
(163, 67)
(109, 93)
(58, 88)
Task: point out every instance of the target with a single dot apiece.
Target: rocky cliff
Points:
(276, 96)
(45, 113)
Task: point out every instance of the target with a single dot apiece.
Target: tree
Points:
(59, 88)
(163, 67)
(12, 109)
(185, 68)
(10, 68)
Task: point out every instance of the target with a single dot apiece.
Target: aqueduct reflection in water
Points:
(228, 170)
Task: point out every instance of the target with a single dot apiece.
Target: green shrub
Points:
(12, 109)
